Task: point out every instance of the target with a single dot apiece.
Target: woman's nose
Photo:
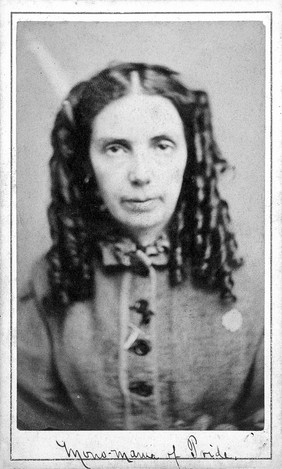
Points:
(140, 172)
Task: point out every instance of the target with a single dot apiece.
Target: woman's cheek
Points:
(176, 175)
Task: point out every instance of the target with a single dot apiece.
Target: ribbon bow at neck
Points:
(125, 252)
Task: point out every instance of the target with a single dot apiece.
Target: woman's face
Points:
(138, 152)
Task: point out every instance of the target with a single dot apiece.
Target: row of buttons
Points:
(141, 347)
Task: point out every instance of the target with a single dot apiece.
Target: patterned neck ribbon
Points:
(123, 252)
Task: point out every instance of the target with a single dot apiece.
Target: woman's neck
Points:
(145, 237)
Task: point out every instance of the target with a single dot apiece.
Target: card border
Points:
(270, 85)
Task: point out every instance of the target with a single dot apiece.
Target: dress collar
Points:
(123, 252)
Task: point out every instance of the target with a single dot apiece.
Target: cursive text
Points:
(208, 453)
(86, 455)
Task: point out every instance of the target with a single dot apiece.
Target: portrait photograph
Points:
(141, 248)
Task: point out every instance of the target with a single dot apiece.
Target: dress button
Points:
(141, 388)
(142, 307)
(141, 347)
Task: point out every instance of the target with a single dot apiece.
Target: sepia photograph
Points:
(141, 261)
(142, 314)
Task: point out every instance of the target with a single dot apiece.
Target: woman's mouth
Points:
(140, 205)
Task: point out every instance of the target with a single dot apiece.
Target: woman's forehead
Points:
(137, 114)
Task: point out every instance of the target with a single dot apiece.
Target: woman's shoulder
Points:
(31, 325)
(249, 283)
(249, 290)
(37, 284)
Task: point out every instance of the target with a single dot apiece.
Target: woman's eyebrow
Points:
(157, 138)
(104, 141)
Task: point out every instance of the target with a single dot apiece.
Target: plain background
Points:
(226, 59)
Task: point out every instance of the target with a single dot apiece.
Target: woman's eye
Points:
(165, 147)
(115, 150)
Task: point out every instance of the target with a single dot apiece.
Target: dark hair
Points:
(200, 229)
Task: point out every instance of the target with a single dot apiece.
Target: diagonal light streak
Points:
(55, 74)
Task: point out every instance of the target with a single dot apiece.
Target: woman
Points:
(131, 320)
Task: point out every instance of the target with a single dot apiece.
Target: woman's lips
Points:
(141, 205)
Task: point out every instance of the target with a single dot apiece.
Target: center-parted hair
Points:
(200, 229)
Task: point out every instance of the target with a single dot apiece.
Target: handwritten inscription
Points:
(112, 454)
(207, 453)
(194, 452)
